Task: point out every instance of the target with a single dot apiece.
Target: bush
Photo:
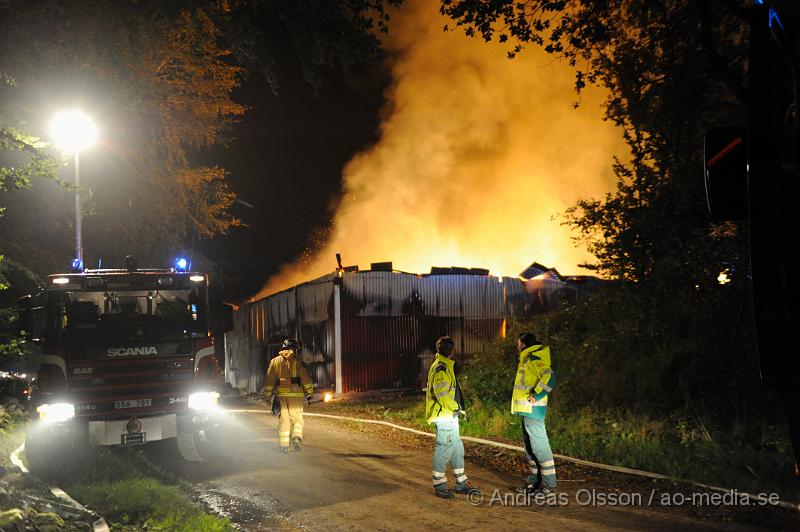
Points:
(640, 385)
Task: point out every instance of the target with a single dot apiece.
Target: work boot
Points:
(443, 494)
(296, 441)
(467, 489)
(527, 487)
(534, 490)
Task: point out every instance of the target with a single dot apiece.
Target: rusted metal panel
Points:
(380, 352)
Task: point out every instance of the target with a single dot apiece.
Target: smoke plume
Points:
(478, 157)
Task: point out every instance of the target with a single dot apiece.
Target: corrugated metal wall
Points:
(391, 321)
(389, 324)
(301, 312)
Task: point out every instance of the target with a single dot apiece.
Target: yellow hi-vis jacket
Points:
(533, 382)
(443, 396)
(287, 377)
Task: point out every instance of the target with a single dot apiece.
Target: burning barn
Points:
(376, 329)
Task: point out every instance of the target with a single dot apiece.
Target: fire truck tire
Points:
(195, 445)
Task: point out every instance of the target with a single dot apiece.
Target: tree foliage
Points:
(672, 69)
(161, 84)
(320, 34)
(161, 77)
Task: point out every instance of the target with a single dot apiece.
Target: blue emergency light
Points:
(77, 265)
(181, 264)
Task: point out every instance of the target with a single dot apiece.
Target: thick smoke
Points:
(478, 157)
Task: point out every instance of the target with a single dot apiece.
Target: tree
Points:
(162, 75)
(30, 161)
(672, 69)
(321, 35)
(163, 85)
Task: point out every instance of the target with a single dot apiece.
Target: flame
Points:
(478, 157)
(328, 397)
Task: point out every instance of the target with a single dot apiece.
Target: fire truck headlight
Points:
(56, 412)
(203, 401)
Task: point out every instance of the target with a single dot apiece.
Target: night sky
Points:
(286, 160)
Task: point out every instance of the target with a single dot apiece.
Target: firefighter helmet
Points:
(291, 343)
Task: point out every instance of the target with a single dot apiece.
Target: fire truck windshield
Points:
(113, 317)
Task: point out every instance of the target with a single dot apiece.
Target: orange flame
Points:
(478, 157)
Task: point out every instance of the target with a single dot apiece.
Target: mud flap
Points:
(191, 445)
(54, 451)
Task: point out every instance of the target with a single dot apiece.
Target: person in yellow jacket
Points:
(533, 383)
(443, 403)
(288, 379)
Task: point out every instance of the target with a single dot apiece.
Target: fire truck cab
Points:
(127, 358)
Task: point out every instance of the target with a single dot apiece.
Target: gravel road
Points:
(350, 477)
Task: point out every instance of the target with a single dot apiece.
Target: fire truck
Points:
(127, 358)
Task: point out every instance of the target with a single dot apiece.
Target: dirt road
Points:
(350, 478)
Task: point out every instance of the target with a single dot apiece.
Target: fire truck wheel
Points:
(195, 445)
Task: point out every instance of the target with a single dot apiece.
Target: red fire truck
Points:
(127, 358)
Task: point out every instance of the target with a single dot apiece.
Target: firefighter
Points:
(288, 379)
(443, 404)
(533, 383)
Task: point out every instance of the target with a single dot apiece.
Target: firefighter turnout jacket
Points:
(287, 377)
(533, 382)
(443, 398)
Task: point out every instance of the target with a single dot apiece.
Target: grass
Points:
(130, 498)
(676, 447)
(124, 494)
(146, 503)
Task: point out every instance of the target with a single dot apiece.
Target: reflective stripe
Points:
(458, 471)
(551, 471)
(441, 385)
(546, 388)
(534, 470)
(440, 481)
(521, 387)
(546, 371)
(461, 479)
(522, 403)
(548, 463)
(439, 395)
(436, 474)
